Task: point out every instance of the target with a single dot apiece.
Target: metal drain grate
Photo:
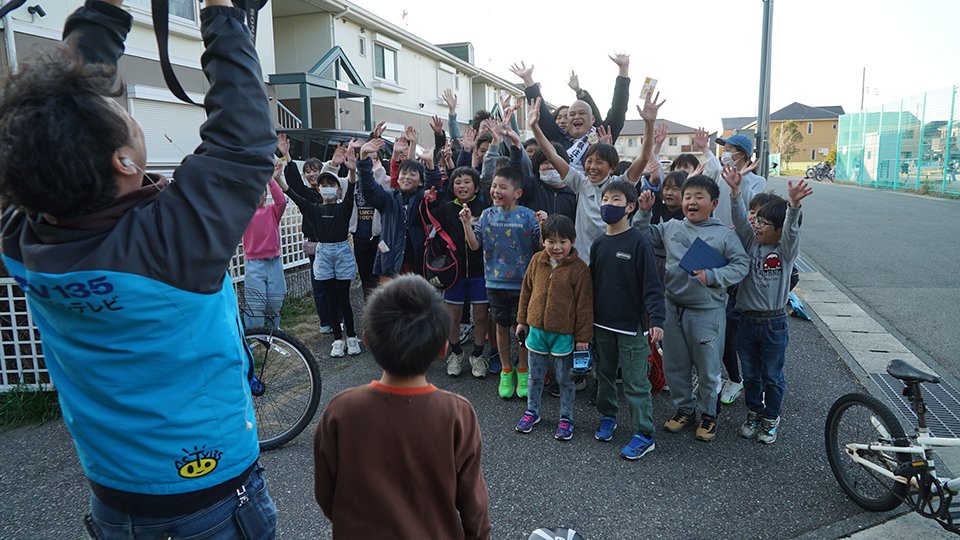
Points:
(942, 400)
(804, 266)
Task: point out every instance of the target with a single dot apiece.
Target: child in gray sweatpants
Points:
(696, 303)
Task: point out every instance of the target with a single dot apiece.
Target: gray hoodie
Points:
(767, 284)
(675, 237)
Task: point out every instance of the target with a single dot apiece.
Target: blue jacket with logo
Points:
(137, 316)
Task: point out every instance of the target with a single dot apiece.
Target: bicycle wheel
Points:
(288, 392)
(859, 418)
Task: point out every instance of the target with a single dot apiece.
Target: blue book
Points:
(700, 256)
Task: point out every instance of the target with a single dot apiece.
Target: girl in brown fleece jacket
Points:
(555, 317)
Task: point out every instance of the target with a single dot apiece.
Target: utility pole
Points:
(863, 87)
(763, 114)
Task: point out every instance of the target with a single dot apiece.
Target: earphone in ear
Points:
(127, 162)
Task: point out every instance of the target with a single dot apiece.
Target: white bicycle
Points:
(879, 466)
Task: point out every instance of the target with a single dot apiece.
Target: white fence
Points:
(20, 340)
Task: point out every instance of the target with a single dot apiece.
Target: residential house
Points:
(736, 126)
(818, 126)
(679, 140)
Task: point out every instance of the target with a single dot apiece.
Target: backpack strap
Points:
(427, 217)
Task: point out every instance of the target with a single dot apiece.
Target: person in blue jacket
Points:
(126, 276)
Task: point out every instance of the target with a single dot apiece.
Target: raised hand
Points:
(651, 167)
(350, 155)
(698, 170)
(451, 100)
(623, 62)
(339, 156)
(650, 108)
(541, 217)
(731, 175)
(505, 100)
(493, 128)
(426, 156)
(411, 133)
(524, 72)
(430, 195)
(798, 192)
(605, 135)
(660, 133)
(400, 147)
(465, 215)
(533, 114)
(379, 129)
(646, 200)
(284, 145)
(510, 135)
(436, 125)
(469, 139)
(371, 147)
(278, 169)
(574, 82)
(750, 167)
(700, 138)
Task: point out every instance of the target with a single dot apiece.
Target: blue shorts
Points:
(473, 290)
(334, 261)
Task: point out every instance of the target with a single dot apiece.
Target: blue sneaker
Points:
(527, 421)
(608, 424)
(495, 364)
(638, 447)
(564, 429)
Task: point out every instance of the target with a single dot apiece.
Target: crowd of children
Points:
(571, 252)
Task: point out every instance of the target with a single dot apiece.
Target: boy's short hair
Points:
(628, 189)
(528, 142)
(502, 161)
(539, 157)
(466, 170)
(622, 167)
(55, 106)
(677, 178)
(761, 199)
(479, 117)
(405, 325)
(558, 225)
(702, 182)
(685, 160)
(604, 151)
(775, 212)
(414, 166)
(313, 163)
(485, 138)
(328, 179)
(512, 175)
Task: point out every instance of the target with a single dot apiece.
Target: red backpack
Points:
(440, 266)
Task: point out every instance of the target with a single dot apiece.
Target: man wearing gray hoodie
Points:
(695, 301)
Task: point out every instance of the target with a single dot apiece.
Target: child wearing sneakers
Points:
(555, 317)
(628, 298)
(695, 302)
(509, 236)
(334, 265)
(772, 242)
(361, 483)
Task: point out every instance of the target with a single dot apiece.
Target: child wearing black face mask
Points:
(627, 300)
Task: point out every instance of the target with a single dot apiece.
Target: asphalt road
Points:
(896, 255)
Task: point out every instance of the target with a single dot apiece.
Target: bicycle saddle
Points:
(907, 373)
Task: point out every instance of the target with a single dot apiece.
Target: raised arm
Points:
(533, 121)
(617, 115)
(532, 92)
(466, 218)
(649, 115)
(451, 100)
(372, 192)
(711, 165)
(738, 207)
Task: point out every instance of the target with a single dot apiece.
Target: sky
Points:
(705, 54)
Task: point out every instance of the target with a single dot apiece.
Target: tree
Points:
(831, 158)
(786, 140)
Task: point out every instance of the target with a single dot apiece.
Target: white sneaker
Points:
(336, 351)
(730, 392)
(479, 366)
(454, 365)
(353, 346)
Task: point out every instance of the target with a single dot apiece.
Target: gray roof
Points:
(737, 122)
(799, 111)
(635, 127)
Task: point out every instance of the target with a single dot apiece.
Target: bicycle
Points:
(284, 376)
(879, 466)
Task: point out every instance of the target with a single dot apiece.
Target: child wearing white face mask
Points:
(545, 189)
(335, 264)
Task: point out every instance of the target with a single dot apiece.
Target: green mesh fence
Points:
(912, 143)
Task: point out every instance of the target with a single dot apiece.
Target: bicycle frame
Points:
(924, 443)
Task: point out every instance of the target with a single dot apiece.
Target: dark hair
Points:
(558, 225)
(622, 167)
(676, 178)
(485, 138)
(405, 325)
(703, 182)
(468, 171)
(512, 175)
(55, 106)
(312, 163)
(775, 212)
(558, 111)
(606, 152)
(539, 157)
(412, 165)
(328, 179)
(628, 189)
(502, 161)
(479, 117)
(528, 142)
(685, 160)
(763, 198)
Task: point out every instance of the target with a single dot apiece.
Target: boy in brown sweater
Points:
(554, 318)
(399, 457)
